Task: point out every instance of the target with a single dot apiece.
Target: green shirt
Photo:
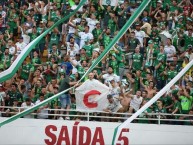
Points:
(5, 59)
(96, 33)
(120, 58)
(160, 57)
(39, 32)
(188, 41)
(186, 102)
(137, 61)
(14, 96)
(80, 70)
(112, 26)
(54, 39)
(167, 100)
(132, 43)
(106, 40)
(25, 71)
(171, 74)
(114, 65)
(89, 48)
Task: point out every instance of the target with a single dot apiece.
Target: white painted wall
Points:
(32, 131)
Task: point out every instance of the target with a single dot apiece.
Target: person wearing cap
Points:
(140, 35)
(151, 54)
(113, 104)
(146, 26)
(65, 98)
(159, 6)
(185, 62)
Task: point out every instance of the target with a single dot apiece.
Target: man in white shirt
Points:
(135, 102)
(139, 34)
(91, 22)
(113, 105)
(20, 45)
(110, 76)
(85, 36)
(72, 41)
(25, 105)
(169, 50)
(42, 113)
(12, 49)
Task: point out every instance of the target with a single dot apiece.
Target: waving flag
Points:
(91, 95)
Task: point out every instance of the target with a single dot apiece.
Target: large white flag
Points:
(91, 95)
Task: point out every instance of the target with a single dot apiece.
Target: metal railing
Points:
(158, 118)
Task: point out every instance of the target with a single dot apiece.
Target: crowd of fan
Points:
(148, 56)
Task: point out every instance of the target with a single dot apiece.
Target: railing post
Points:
(159, 118)
(88, 116)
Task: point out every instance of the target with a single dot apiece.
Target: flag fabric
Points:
(91, 95)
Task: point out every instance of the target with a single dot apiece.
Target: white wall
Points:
(32, 131)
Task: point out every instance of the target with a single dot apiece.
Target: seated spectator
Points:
(113, 105)
(42, 112)
(25, 105)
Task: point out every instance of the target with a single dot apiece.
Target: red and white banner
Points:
(91, 95)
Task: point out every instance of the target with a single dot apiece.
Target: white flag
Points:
(91, 95)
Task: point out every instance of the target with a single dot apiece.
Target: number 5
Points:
(123, 138)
